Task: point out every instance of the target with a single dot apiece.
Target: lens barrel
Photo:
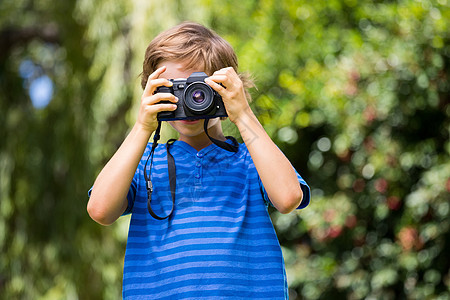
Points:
(199, 98)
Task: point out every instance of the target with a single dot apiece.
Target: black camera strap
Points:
(172, 174)
(234, 147)
(222, 144)
(172, 183)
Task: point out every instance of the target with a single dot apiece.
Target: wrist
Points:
(244, 118)
(144, 130)
(249, 127)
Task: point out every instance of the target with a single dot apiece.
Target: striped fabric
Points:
(219, 242)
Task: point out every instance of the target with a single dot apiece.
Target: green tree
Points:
(356, 93)
(49, 247)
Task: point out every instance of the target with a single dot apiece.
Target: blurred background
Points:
(356, 93)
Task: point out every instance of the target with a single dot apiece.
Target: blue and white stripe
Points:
(218, 243)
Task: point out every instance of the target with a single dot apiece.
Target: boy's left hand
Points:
(231, 90)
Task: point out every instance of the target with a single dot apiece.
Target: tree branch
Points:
(12, 37)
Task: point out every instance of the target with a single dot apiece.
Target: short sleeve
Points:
(304, 186)
(131, 195)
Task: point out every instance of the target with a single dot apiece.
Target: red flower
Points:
(351, 221)
(334, 231)
(409, 238)
(381, 185)
(394, 202)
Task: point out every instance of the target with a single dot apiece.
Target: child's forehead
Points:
(177, 69)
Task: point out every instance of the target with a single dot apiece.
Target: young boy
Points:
(219, 241)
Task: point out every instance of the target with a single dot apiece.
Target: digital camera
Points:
(196, 99)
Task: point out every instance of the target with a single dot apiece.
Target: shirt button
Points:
(199, 155)
(198, 165)
(197, 176)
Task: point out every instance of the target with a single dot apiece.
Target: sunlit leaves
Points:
(371, 79)
(355, 92)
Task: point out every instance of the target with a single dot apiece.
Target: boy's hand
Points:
(150, 105)
(231, 90)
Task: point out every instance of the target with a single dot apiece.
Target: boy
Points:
(219, 241)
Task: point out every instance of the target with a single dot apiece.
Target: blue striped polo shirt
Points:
(219, 242)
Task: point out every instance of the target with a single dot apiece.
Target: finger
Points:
(218, 78)
(224, 70)
(214, 83)
(152, 76)
(226, 75)
(156, 98)
(154, 84)
(225, 79)
(164, 107)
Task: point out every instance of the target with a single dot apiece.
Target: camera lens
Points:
(199, 99)
(198, 96)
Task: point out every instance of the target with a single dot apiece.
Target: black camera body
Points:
(196, 99)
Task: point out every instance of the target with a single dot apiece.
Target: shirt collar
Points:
(210, 148)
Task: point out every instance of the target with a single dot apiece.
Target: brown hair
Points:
(197, 46)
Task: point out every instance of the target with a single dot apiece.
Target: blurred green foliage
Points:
(356, 93)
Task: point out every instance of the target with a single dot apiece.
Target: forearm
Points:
(108, 198)
(276, 172)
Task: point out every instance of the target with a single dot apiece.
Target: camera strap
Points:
(222, 144)
(172, 183)
(234, 147)
(172, 174)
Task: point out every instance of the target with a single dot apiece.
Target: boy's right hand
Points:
(150, 106)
